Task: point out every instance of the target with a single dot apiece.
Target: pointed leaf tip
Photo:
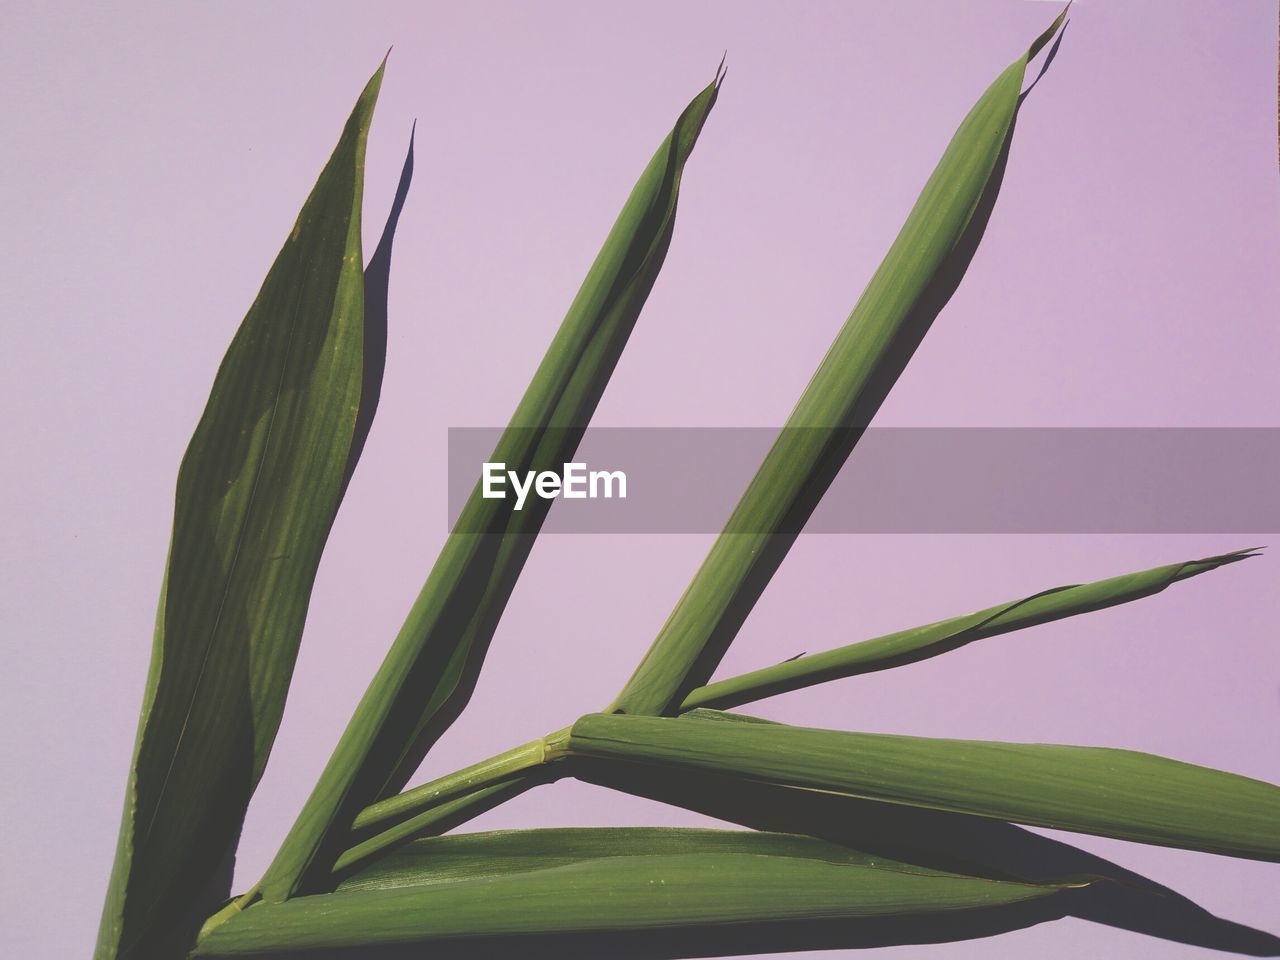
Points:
(1038, 44)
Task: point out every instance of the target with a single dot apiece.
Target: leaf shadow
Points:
(377, 281)
(966, 844)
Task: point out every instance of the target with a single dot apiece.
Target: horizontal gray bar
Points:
(899, 480)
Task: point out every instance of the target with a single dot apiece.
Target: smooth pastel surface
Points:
(156, 158)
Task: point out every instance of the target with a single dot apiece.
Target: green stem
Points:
(455, 798)
(493, 771)
(457, 810)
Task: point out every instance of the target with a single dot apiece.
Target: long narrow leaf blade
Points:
(472, 856)
(256, 495)
(503, 853)
(951, 842)
(914, 282)
(1107, 792)
(430, 671)
(920, 643)
(610, 882)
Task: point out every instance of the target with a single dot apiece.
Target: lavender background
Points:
(154, 159)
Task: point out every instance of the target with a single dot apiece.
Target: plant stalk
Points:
(453, 798)
(496, 770)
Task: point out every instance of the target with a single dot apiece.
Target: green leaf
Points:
(256, 495)
(473, 856)
(1111, 793)
(430, 671)
(493, 889)
(920, 643)
(951, 842)
(913, 283)
(423, 809)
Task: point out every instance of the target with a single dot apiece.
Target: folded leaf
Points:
(1110, 793)
(256, 495)
(914, 282)
(920, 643)
(492, 889)
(430, 671)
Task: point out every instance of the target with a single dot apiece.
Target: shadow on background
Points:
(949, 841)
(377, 281)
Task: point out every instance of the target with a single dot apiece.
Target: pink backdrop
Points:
(155, 157)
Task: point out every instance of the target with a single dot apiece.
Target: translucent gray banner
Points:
(897, 480)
